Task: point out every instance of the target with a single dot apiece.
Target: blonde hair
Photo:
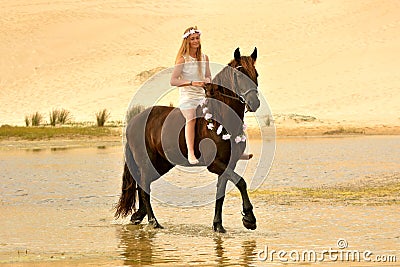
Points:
(184, 50)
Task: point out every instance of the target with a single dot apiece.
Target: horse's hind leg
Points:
(149, 210)
(139, 215)
(221, 188)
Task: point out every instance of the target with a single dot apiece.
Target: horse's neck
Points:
(224, 81)
(224, 78)
(236, 105)
(231, 113)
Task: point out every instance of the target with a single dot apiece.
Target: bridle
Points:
(239, 96)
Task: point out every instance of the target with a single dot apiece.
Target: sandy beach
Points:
(336, 61)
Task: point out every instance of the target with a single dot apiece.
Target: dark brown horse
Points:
(156, 142)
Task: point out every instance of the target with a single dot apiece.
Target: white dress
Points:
(191, 96)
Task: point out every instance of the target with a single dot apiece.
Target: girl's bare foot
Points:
(246, 156)
(192, 160)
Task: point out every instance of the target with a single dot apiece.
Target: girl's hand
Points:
(198, 83)
(207, 80)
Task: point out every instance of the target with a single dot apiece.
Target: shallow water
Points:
(316, 161)
(56, 206)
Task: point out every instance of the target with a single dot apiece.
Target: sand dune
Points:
(334, 60)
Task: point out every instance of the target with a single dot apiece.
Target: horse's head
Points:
(236, 85)
(245, 79)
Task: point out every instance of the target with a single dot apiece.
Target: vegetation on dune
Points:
(62, 117)
(102, 116)
(45, 133)
(35, 119)
(53, 116)
(342, 130)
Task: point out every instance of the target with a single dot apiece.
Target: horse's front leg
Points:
(226, 173)
(249, 220)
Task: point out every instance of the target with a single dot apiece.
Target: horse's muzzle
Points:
(253, 104)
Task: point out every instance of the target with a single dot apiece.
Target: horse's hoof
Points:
(137, 217)
(218, 228)
(249, 220)
(153, 223)
(249, 225)
(136, 222)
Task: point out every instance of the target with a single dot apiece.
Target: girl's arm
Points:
(208, 72)
(176, 74)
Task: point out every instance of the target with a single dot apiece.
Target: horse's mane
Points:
(223, 83)
(248, 64)
(224, 78)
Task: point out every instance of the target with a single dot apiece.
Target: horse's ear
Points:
(237, 54)
(254, 54)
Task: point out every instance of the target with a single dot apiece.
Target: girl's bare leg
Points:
(189, 135)
(189, 115)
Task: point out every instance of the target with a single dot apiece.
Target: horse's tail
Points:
(127, 200)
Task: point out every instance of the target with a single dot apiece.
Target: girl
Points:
(191, 73)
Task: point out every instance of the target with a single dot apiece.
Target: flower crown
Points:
(186, 35)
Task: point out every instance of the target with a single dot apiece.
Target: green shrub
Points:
(59, 116)
(36, 119)
(54, 117)
(102, 116)
(64, 116)
(27, 121)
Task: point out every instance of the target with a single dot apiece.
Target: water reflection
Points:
(35, 150)
(59, 148)
(220, 250)
(226, 254)
(136, 244)
(140, 245)
(249, 252)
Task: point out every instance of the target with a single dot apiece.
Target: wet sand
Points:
(56, 209)
(188, 238)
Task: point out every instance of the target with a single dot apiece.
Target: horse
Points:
(155, 142)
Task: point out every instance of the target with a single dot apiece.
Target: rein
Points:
(238, 97)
